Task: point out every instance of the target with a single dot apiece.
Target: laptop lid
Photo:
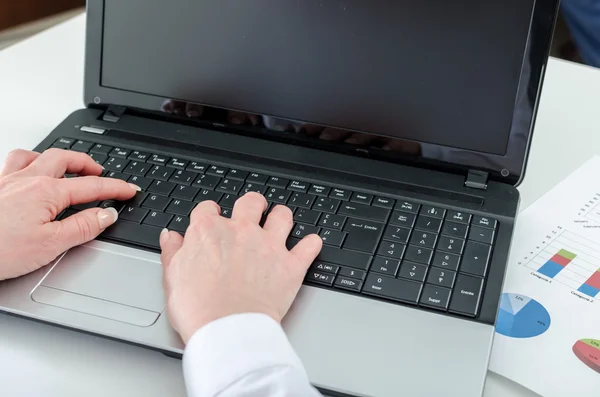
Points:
(450, 85)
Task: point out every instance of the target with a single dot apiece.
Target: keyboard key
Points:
(156, 202)
(100, 148)
(208, 195)
(82, 146)
(116, 164)
(63, 143)
(429, 224)
(117, 175)
(384, 202)
(215, 170)
(362, 235)
(459, 217)
(324, 267)
(391, 288)
(440, 277)
(237, 175)
(419, 255)
(143, 183)
(385, 266)
(85, 206)
(184, 192)
(160, 187)
(435, 297)
(118, 205)
(481, 234)
(196, 167)
(362, 198)
(320, 278)
(391, 250)
(258, 179)
(277, 182)
(319, 190)
(300, 231)
(183, 177)
(179, 224)
(423, 239)
(306, 216)
(302, 200)
(136, 155)
(120, 153)
(332, 237)
(434, 212)
(485, 222)
(413, 271)
(402, 219)
(134, 233)
(338, 256)
(475, 258)
(207, 182)
(178, 163)
(133, 214)
(332, 221)
(226, 212)
(138, 199)
(158, 159)
(99, 158)
(447, 261)
(340, 194)
(352, 273)
(228, 200)
(298, 186)
(324, 204)
(407, 206)
(348, 283)
(180, 207)
(454, 229)
(466, 295)
(160, 172)
(159, 219)
(230, 186)
(137, 168)
(451, 244)
(254, 187)
(396, 234)
(363, 211)
(278, 195)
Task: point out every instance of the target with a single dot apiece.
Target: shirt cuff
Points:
(227, 349)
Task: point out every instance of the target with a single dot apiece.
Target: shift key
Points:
(392, 288)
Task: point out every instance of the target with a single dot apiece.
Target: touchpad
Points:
(106, 280)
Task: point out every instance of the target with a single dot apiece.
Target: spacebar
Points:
(134, 233)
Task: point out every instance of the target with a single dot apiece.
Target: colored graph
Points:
(588, 351)
(521, 317)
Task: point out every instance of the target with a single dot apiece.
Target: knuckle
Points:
(84, 228)
(282, 214)
(17, 154)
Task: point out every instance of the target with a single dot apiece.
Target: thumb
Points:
(307, 250)
(83, 227)
(170, 243)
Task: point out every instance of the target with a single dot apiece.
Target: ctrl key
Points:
(391, 288)
(466, 295)
(320, 278)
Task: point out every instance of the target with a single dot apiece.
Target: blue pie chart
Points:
(521, 317)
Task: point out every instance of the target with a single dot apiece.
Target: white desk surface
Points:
(41, 82)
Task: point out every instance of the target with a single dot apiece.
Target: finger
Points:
(307, 250)
(279, 223)
(254, 119)
(82, 227)
(205, 208)
(57, 162)
(251, 207)
(312, 129)
(360, 139)
(332, 134)
(170, 243)
(237, 118)
(17, 160)
(87, 189)
(193, 110)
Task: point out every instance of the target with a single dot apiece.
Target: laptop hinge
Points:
(477, 180)
(113, 113)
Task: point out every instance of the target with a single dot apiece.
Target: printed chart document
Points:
(548, 328)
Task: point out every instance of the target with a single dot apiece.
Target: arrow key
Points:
(413, 271)
(441, 277)
(423, 239)
(391, 250)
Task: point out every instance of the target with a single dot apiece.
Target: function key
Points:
(238, 175)
(459, 217)
(215, 170)
(428, 223)
(120, 153)
(178, 163)
(139, 156)
(465, 298)
(384, 202)
(407, 206)
(340, 194)
(481, 234)
(435, 297)
(278, 182)
(353, 273)
(101, 149)
(197, 167)
(63, 143)
(402, 219)
(362, 198)
(319, 190)
(348, 283)
(158, 159)
(298, 186)
(434, 212)
(455, 229)
(257, 178)
(82, 146)
(485, 222)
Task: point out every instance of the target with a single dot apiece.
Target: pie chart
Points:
(521, 317)
(588, 351)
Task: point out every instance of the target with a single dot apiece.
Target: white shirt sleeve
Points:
(244, 355)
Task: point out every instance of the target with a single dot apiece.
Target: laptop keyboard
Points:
(376, 246)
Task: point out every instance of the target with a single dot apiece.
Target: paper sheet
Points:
(548, 328)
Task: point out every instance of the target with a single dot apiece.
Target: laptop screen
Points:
(438, 72)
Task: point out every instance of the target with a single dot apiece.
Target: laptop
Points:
(397, 130)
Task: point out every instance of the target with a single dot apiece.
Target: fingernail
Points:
(135, 187)
(164, 235)
(193, 113)
(103, 169)
(352, 140)
(107, 217)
